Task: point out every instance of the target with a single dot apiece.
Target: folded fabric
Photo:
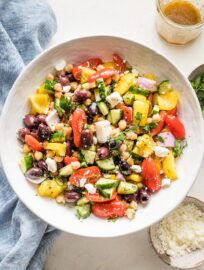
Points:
(26, 27)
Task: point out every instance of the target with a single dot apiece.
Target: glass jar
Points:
(174, 32)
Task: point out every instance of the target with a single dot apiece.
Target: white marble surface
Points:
(132, 19)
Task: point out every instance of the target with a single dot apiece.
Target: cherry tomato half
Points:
(91, 174)
(127, 113)
(68, 160)
(102, 74)
(160, 125)
(119, 63)
(176, 126)
(151, 174)
(90, 63)
(78, 122)
(111, 209)
(33, 143)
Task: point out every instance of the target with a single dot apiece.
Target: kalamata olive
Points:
(116, 160)
(68, 149)
(71, 77)
(113, 145)
(41, 118)
(22, 133)
(89, 119)
(59, 165)
(30, 120)
(34, 133)
(124, 167)
(86, 138)
(34, 173)
(80, 96)
(143, 196)
(72, 196)
(42, 165)
(102, 152)
(93, 109)
(64, 80)
(131, 197)
(44, 132)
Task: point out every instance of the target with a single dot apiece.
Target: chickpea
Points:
(26, 149)
(50, 153)
(68, 68)
(122, 124)
(156, 117)
(87, 102)
(149, 120)
(116, 77)
(58, 87)
(131, 135)
(58, 159)
(58, 95)
(50, 77)
(60, 199)
(140, 185)
(38, 155)
(59, 126)
(130, 161)
(123, 147)
(74, 85)
(92, 128)
(133, 205)
(125, 155)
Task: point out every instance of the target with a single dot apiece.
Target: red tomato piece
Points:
(172, 112)
(111, 209)
(160, 125)
(33, 143)
(91, 174)
(176, 126)
(68, 160)
(102, 74)
(98, 198)
(151, 174)
(127, 113)
(90, 63)
(119, 63)
(78, 122)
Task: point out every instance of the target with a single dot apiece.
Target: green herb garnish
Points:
(112, 219)
(138, 116)
(198, 85)
(49, 84)
(120, 138)
(159, 139)
(150, 126)
(64, 105)
(179, 147)
(136, 90)
(102, 89)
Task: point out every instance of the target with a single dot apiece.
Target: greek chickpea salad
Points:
(102, 137)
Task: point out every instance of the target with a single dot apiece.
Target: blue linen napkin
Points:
(26, 27)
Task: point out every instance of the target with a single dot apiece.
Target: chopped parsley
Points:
(120, 138)
(49, 84)
(159, 139)
(138, 116)
(112, 219)
(179, 147)
(198, 85)
(102, 89)
(136, 90)
(150, 126)
(64, 105)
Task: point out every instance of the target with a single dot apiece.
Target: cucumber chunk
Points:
(66, 171)
(89, 156)
(58, 137)
(108, 192)
(127, 188)
(115, 116)
(104, 183)
(97, 95)
(26, 163)
(82, 201)
(103, 108)
(164, 87)
(106, 164)
(83, 211)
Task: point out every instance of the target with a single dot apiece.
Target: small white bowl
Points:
(146, 60)
(187, 261)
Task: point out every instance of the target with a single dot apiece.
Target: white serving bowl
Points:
(145, 60)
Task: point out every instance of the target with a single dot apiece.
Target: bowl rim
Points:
(55, 47)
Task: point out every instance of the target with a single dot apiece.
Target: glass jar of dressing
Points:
(179, 21)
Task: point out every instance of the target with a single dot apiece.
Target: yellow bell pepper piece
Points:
(140, 112)
(145, 146)
(109, 65)
(167, 101)
(158, 163)
(150, 76)
(51, 188)
(140, 97)
(41, 89)
(112, 176)
(86, 73)
(124, 83)
(168, 165)
(134, 177)
(58, 148)
(39, 103)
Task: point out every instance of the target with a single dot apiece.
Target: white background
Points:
(133, 19)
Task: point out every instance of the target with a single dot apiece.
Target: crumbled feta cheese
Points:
(166, 182)
(60, 65)
(103, 131)
(82, 182)
(182, 231)
(90, 188)
(130, 213)
(114, 99)
(66, 88)
(136, 168)
(161, 151)
(134, 71)
(51, 165)
(52, 119)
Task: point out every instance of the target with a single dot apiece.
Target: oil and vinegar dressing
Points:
(182, 12)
